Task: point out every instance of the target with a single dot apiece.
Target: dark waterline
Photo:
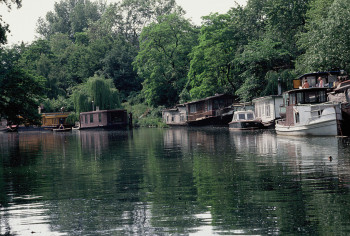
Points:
(179, 181)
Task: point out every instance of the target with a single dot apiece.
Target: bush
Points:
(144, 115)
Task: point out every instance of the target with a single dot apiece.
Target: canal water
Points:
(178, 181)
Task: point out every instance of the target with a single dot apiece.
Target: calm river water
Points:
(178, 181)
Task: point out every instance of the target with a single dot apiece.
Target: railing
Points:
(333, 114)
(211, 113)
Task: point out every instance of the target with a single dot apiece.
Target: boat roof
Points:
(55, 114)
(248, 111)
(211, 97)
(266, 97)
(102, 111)
(306, 90)
(320, 73)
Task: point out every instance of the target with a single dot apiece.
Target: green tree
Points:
(274, 51)
(20, 90)
(257, 59)
(117, 65)
(212, 61)
(97, 91)
(163, 60)
(326, 41)
(69, 17)
(128, 18)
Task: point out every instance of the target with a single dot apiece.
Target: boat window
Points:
(267, 109)
(91, 118)
(250, 116)
(312, 81)
(116, 117)
(86, 119)
(292, 99)
(172, 118)
(193, 108)
(322, 96)
(241, 116)
(297, 118)
(300, 98)
(311, 97)
(99, 117)
(209, 105)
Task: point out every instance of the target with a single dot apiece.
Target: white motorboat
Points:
(244, 120)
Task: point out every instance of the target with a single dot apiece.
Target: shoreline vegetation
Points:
(145, 56)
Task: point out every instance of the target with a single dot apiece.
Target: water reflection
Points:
(303, 154)
(184, 181)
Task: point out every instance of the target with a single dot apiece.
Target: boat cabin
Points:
(175, 116)
(54, 120)
(215, 110)
(298, 98)
(244, 120)
(306, 96)
(267, 109)
(104, 119)
(243, 115)
(330, 79)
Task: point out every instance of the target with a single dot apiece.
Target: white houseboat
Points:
(267, 109)
(309, 113)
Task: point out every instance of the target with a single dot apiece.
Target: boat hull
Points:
(323, 128)
(213, 120)
(62, 130)
(245, 125)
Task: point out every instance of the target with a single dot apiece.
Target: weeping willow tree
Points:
(97, 91)
(103, 93)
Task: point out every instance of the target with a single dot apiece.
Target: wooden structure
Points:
(215, 110)
(176, 115)
(53, 120)
(104, 119)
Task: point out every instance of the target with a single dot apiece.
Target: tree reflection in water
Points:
(173, 181)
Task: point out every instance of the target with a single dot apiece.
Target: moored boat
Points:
(309, 113)
(244, 120)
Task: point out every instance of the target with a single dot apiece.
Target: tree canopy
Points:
(150, 53)
(20, 91)
(163, 58)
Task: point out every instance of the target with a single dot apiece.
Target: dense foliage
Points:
(20, 90)
(150, 54)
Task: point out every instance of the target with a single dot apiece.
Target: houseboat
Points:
(107, 119)
(267, 109)
(244, 120)
(215, 110)
(338, 85)
(54, 120)
(309, 113)
(175, 116)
